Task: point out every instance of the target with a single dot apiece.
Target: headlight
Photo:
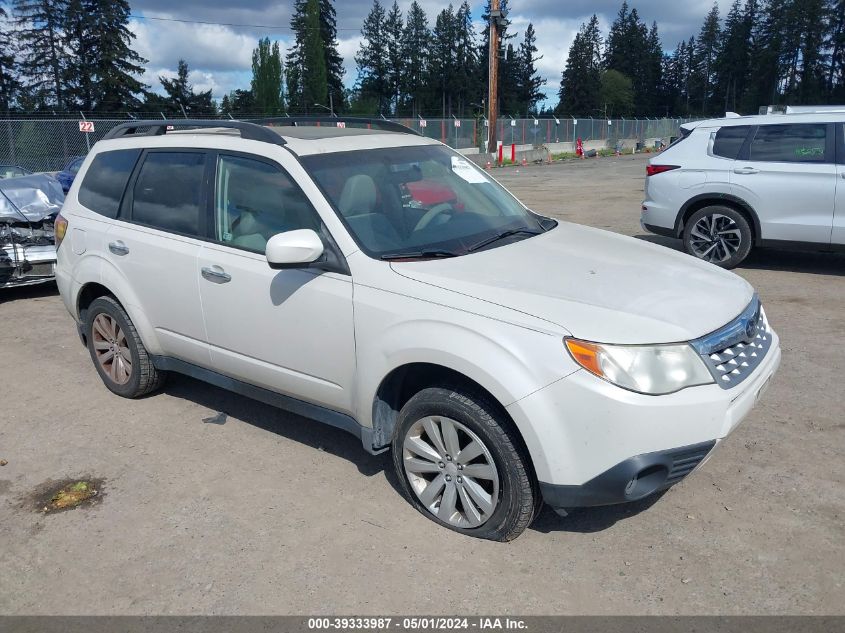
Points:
(652, 369)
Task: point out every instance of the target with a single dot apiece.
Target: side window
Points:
(790, 143)
(254, 200)
(106, 178)
(729, 141)
(168, 192)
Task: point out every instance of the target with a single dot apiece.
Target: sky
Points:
(220, 57)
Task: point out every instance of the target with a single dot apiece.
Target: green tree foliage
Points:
(267, 80)
(9, 84)
(42, 58)
(581, 78)
(334, 62)
(707, 50)
(180, 94)
(305, 64)
(395, 60)
(372, 60)
(530, 82)
(416, 39)
(617, 94)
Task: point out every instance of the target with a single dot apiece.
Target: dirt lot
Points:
(258, 511)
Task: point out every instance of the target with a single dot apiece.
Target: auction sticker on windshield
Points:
(462, 168)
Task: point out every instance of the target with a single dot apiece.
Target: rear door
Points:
(156, 243)
(837, 235)
(787, 173)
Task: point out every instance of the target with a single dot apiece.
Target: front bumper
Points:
(630, 480)
(585, 435)
(23, 265)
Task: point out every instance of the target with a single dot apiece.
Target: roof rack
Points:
(378, 124)
(255, 130)
(157, 127)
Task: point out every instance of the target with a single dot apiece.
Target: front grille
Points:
(733, 352)
(684, 462)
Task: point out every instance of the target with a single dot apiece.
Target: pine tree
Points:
(395, 60)
(630, 53)
(530, 81)
(811, 18)
(466, 85)
(116, 65)
(180, 93)
(305, 64)
(581, 78)
(9, 84)
(415, 52)
(835, 43)
(706, 53)
(373, 72)
(43, 60)
(334, 62)
(267, 80)
(442, 73)
(732, 63)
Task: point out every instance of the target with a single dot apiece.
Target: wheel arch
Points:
(723, 199)
(404, 381)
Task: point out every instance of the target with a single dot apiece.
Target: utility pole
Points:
(493, 75)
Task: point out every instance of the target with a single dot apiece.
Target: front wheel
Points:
(462, 465)
(719, 235)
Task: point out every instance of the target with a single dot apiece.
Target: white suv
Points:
(378, 282)
(729, 184)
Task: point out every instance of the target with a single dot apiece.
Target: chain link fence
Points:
(50, 143)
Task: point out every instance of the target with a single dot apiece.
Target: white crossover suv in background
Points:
(727, 185)
(505, 358)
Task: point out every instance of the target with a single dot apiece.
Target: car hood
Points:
(595, 285)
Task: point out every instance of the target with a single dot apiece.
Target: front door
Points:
(837, 235)
(290, 330)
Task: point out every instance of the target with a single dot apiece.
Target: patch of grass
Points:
(564, 155)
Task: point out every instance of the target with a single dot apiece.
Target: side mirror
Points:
(293, 249)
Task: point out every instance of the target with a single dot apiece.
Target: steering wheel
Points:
(432, 213)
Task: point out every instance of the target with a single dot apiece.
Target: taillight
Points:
(653, 170)
(59, 229)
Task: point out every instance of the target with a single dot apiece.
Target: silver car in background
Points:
(28, 209)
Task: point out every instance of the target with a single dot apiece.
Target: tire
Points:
(109, 329)
(719, 235)
(495, 504)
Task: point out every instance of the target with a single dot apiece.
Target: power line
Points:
(246, 26)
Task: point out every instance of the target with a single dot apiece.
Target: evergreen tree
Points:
(43, 59)
(180, 93)
(373, 71)
(225, 105)
(732, 63)
(267, 80)
(706, 53)
(630, 53)
(617, 94)
(334, 62)
(442, 69)
(415, 54)
(581, 78)
(8, 68)
(809, 19)
(117, 66)
(395, 59)
(467, 86)
(529, 80)
(835, 43)
(305, 64)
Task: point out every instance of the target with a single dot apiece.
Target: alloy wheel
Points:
(715, 238)
(111, 348)
(451, 471)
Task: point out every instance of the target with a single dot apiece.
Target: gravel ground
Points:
(268, 513)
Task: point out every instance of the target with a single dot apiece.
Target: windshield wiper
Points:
(501, 236)
(422, 254)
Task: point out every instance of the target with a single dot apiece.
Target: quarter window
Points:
(106, 178)
(168, 192)
(255, 200)
(729, 141)
(790, 143)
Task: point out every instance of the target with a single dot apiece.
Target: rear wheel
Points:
(719, 235)
(461, 464)
(117, 351)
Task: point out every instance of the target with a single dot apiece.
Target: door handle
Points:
(216, 274)
(746, 170)
(118, 248)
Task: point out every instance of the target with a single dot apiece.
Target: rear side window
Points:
(106, 179)
(729, 141)
(169, 190)
(790, 143)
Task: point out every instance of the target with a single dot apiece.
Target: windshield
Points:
(424, 201)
